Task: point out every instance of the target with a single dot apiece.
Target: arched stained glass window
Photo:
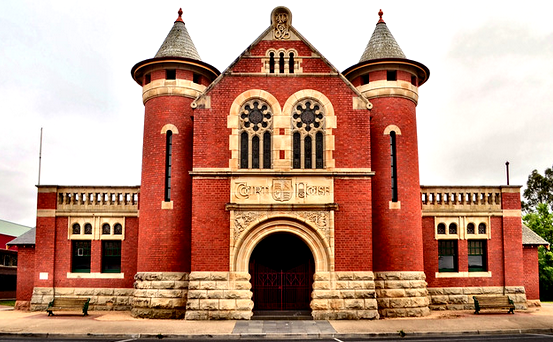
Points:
(256, 126)
(308, 135)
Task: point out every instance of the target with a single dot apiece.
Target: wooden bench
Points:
(68, 304)
(493, 302)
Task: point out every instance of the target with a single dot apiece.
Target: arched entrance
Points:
(281, 268)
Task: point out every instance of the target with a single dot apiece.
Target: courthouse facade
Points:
(281, 184)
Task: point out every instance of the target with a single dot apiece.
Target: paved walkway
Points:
(122, 325)
(265, 328)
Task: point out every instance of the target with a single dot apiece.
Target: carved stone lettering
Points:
(282, 190)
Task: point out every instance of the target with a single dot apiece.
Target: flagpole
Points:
(40, 156)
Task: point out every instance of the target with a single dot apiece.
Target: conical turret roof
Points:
(178, 42)
(382, 43)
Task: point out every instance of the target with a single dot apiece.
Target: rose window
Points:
(255, 115)
(308, 115)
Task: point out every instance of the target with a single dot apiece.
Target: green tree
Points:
(539, 217)
(539, 189)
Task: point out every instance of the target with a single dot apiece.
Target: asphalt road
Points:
(463, 338)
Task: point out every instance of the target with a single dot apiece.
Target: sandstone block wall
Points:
(101, 299)
(160, 294)
(460, 298)
(401, 294)
(344, 295)
(219, 295)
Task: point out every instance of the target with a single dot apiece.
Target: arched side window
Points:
(168, 164)
(272, 62)
(281, 63)
(256, 125)
(308, 121)
(291, 63)
(393, 165)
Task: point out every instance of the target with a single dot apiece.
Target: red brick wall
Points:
(352, 223)
(531, 272)
(494, 258)
(165, 233)
(63, 253)
(4, 239)
(46, 200)
(44, 250)
(512, 240)
(25, 272)
(351, 150)
(210, 225)
(397, 234)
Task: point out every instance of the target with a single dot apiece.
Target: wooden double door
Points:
(282, 268)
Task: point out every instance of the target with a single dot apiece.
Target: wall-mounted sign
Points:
(292, 190)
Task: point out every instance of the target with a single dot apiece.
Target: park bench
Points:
(68, 304)
(493, 302)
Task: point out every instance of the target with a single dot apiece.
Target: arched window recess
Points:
(256, 125)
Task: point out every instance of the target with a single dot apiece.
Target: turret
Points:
(170, 82)
(390, 82)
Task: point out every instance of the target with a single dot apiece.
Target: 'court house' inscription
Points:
(282, 190)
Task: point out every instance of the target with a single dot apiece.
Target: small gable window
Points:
(272, 63)
(291, 63)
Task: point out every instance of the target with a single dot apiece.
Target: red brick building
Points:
(280, 184)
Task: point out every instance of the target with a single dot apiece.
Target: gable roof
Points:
(12, 229)
(28, 238)
(529, 237)
(293, 33)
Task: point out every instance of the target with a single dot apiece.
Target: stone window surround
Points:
(259, 133)
(462, 223)
(265, 68)
(164, 130)
(281, 122)
(303, 133)
(393, 128)
(97, 222)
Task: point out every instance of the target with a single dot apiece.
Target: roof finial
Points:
(380, 13)
(180, 16)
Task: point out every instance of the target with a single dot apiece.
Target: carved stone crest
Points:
(282, 189)
(281, 19)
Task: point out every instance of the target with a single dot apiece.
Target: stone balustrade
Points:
(98, 198)
(469, 198)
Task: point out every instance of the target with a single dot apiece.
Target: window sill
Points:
(95, 275)
(167, 205)
(464, 274)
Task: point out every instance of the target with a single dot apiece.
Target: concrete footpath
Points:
(121, 325)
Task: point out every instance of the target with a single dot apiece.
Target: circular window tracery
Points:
(256, 115)
(308, 115)
(256, 123)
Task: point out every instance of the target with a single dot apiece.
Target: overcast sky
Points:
(65, 66)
